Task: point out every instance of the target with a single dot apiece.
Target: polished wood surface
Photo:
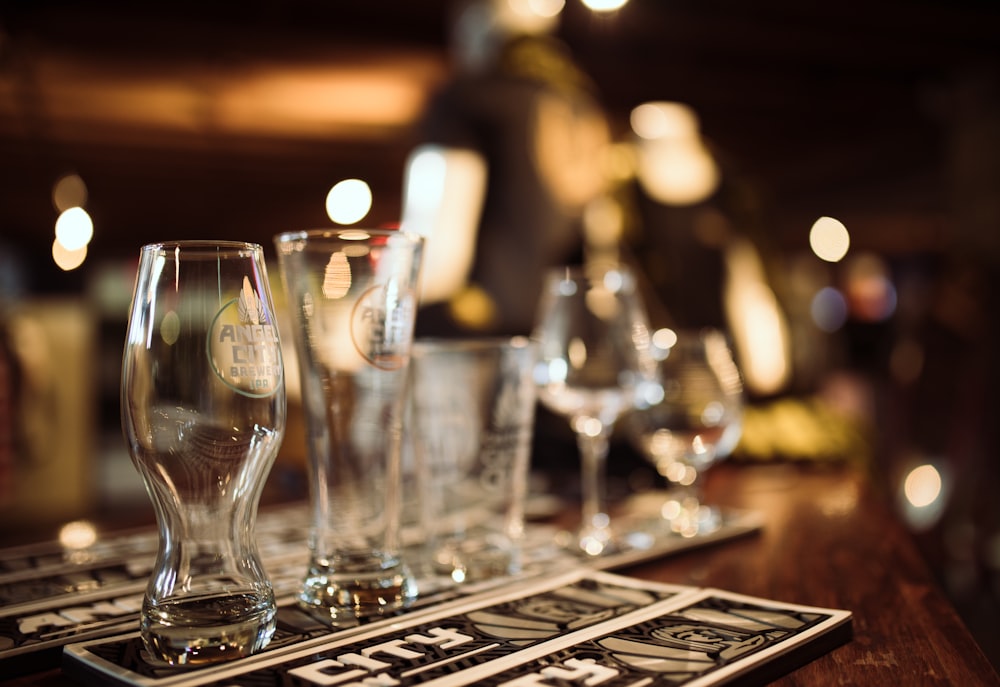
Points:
(829, 539)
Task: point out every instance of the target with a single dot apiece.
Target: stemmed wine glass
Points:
(591, 332)
(203, 411)
(686, 417)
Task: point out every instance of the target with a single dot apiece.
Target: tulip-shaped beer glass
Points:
(203, 410)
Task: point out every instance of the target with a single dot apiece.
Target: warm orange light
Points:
(756, 320)
(443, 193)
(829, 239)
(357, 92)
(922, 486)
(870, 291)
(311, 100)
(672, 162)
(604, 5)
(663, 120)
(74, 229)
(348, 201)
(69, 192)
(68, 260)
(535, 9)
(603, 223)
(546, 8)
(78, 534)
(337, 277)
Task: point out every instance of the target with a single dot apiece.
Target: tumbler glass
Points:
(473, 410)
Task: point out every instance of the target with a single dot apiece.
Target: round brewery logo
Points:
(382, 325)
(243, 345)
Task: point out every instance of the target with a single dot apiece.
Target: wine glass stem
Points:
(687, 512)
(691, 494)
(593, 454)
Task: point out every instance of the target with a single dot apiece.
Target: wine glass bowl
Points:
(687, 416)
(591, 332)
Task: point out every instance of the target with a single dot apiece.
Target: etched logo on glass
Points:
(381, 325)
(243, 345)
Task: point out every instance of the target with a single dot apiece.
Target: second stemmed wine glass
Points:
(686, 417)
(591, 331)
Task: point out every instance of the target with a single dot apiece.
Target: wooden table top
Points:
(829, 539)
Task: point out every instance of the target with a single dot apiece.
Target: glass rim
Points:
(470, 343)
(201, 245)
(587, 270)
(593, 274)
(344, 233)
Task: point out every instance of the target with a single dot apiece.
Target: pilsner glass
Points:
(352, 297)
(203, 410)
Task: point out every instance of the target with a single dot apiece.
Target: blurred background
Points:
(846, 226)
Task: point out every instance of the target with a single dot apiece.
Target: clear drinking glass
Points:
(473, 409)
(203, 411)
(592, 334)
(352, 294)
(686, 418)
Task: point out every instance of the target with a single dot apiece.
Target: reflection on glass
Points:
(686, 417)
(592, 335)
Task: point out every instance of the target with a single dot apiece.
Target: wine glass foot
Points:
(595, 542)
(590, 541)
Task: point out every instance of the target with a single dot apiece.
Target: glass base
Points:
(331, 593)
(596, 537)
(591, 543)
(209, 629)
(476, 559)
(689, 517)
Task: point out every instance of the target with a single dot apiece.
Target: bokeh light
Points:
(604, 5)
(337, 276)
(829, 309)
(66, 259)
(170, 327)
(349, 201)
(540, 8)
(870, 291)
(426, 181)
(664, 338)
(923, 492)
(74, 228)
(603, 223)
(78, 534)
(758, 325)
(672, 162)
(655, 120)
(829, 239)
(69, 192)
(922, 486)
